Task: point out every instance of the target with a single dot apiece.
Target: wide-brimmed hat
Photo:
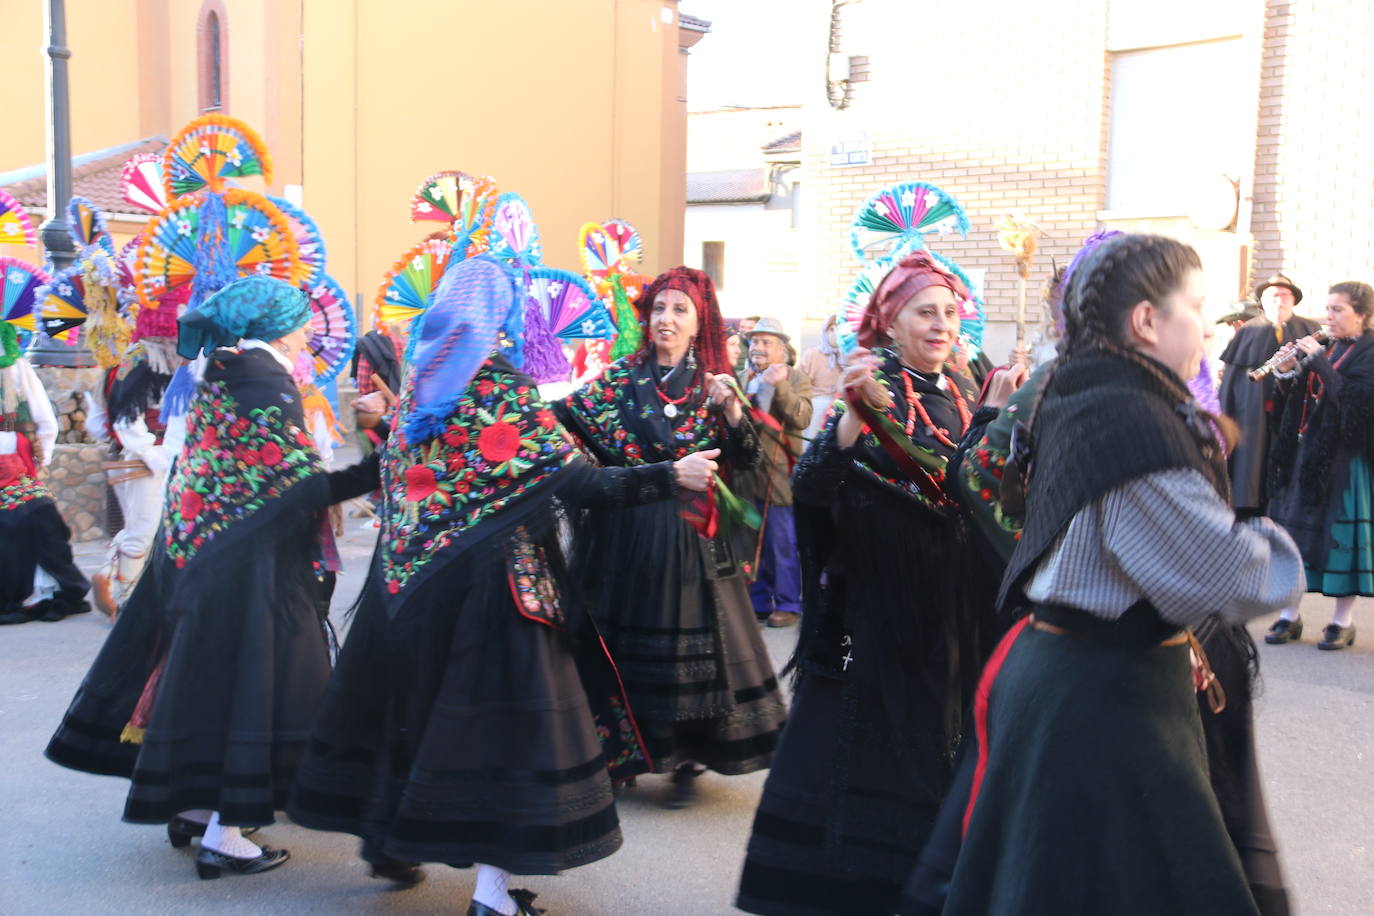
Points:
(1243, 311)
(1280, 280)
(769, 326)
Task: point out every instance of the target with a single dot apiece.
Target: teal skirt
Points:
(1349, 566)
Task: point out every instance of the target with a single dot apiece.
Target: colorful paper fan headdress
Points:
(209, 152)
(898, 219)
(333, 329)
(16, 227)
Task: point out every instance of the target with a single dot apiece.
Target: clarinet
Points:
(1283, 353)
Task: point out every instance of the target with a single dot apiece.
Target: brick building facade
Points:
(1235, 125)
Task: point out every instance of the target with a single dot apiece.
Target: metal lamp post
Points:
(55, 231)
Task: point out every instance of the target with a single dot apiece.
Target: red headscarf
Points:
(710, 342)
(912, 274)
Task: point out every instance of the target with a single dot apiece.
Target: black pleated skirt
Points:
(677, 619)
(245, 661)
(460, 732)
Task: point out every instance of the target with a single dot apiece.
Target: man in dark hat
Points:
(1244, 311)
(1247, 402)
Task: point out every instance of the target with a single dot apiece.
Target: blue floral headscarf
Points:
(262, 308)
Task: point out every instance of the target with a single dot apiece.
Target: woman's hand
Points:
(1309, 345)
(858, 384)
(370, 408)
(1005, 381)
(722, 395)
(694, 471)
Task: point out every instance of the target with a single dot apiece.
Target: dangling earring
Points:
(692, 356)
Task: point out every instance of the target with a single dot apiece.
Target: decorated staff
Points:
(1017, 235)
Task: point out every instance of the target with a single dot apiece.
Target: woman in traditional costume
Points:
(1324, 488)
(1090, 790)
(38, 579)
(895, 625)
(204, 692)
(669, 594)
(456, 728)
(988, 473)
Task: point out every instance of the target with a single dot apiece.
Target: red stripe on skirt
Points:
(980, 711)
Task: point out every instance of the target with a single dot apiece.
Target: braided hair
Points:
(1103, 290)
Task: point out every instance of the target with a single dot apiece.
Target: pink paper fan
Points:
(141, 182)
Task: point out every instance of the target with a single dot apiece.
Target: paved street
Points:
(63, 848)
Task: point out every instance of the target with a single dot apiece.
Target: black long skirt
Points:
(246, 662)
(460, 732)
(1093, 795)
(676, 615)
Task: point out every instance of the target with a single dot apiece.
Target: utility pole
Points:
(55, 231)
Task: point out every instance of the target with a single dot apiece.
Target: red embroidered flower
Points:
(456, 437)
(456, 462)
(608, 395)
(546, 418)
(986, 495)
(271, 454)
(485, 387)
(250, 457)
(191, 504)
(462, 486)
(209, 440)
(393, 587)
(420, 483)
(499, 442)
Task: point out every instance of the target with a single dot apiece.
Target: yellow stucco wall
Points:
(561, 102)
(578, 105)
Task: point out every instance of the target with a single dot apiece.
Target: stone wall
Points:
(74, 475)
(78, 485)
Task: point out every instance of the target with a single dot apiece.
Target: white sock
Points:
(1345, 612)
(196, 815)
(491, 889)
(1288, 613)
(228, 840)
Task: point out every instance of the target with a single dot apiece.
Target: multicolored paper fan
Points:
(438, 197)
(258, 239)
(900, 217)
(514, 236)
(62, 305)
(140, 182)
(87, 224)
(633, 285)
(612, 247)
(16, 228)
(472, 228)
(211, 150)
(333, 330)
(856, 301)
(406, 290)
(570, 305)
(309, 242)
(19, 285)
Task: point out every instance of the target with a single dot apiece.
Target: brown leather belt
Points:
(133, 470)
(1203, 678)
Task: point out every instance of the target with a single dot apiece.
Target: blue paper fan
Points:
(62, 304)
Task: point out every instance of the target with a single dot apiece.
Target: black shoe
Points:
(180, 831)
(211, 863)
(19, 615)
(58, 610)
(524, 905)
(1336, 636)
(1284, 631)
(684, 786)
(405, 874)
